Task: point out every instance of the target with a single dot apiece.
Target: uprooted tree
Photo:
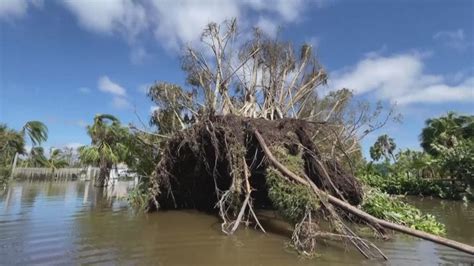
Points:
(252, 132)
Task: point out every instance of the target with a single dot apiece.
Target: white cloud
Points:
(180, 22)
(454, 39)
(402, 79)
(107, 85)
(175, 23)
(12, 9)
(108, 16)
(438, 93)
(119, 94)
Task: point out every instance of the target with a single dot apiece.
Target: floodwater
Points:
(73, 223)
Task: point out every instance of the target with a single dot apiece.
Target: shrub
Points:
(412, 185)
(384, 206)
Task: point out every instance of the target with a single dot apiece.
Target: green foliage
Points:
(458, 161)
(89, 155)
(415, 163)
(143, 153)
(174, 103)
(139, 197)
(449, 154)
(11, 142)
(412, 185)
(36, 131)
(4, 174)
(108, 147)
(36, 157)
(291, 200)
(56, 159)
(446, 131)
(384, 146)
(108, 138)
(384, 206)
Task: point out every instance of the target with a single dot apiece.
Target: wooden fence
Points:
(86, 173)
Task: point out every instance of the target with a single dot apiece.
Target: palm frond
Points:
(89, 154)
(36, 131)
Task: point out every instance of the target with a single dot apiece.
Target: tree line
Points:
(447, 154)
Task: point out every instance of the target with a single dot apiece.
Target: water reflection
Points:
(75, 223)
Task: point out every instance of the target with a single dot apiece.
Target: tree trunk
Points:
(104, 172)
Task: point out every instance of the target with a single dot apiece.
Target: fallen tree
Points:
(253, 133)
(225, 163)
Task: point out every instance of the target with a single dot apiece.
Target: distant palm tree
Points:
(11, 143)
(56, 160)
(383, 146)
(446, 131)
(108, 148)
(36, 131)
(37, 157)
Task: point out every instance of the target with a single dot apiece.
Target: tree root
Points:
(229, 227)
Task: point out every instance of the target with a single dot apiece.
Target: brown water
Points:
(73, 223)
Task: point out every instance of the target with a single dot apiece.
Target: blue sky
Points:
(62, 62)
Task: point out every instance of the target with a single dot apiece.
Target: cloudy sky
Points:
(63, 61)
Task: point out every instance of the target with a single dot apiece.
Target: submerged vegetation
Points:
(138, 196)
(384, 206)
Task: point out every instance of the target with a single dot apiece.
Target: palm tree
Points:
(36, 131)
(13, 142)
(107, 147)
(384, 146)
(445, 131)
(56, 160)
(37, 157)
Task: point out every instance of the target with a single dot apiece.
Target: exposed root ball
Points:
(201, 163)
(218, 164)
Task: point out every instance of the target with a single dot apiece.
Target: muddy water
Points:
(73, 223)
